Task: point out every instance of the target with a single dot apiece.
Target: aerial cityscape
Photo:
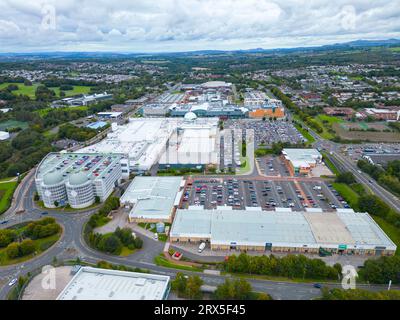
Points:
(146, 154)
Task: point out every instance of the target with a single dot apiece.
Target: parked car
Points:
(202, 247)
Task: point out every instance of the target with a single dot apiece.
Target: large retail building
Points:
(343, 231)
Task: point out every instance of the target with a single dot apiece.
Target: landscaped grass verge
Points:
(163, 262)
(6, 194)
(351, 196)
(305, 133)
(330, 164)
(348, 194)
(41, 245)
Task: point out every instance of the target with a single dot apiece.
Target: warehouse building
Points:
(195, 144)
(77, 179)
(145, 140)
(340, 232)
(153, 199)
(302, 160)
(104, 284)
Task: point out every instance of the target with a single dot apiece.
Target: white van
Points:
(202, 247)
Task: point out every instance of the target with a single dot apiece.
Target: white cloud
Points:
(157, 25)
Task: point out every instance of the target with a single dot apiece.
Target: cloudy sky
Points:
(183, 25)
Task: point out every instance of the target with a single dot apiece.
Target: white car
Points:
(156, 236)
(12, 282)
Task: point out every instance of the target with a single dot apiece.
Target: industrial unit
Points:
(302, 160)
(152, 199)
(342, 232)
(77, 179)
(195, 144)
(104, 284)
(145, 141)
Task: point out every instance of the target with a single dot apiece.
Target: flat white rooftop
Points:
(291, 229)
(144, 139)
(152, 197)
(103, 284)
(302, 157)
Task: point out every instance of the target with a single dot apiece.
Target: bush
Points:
(12, 250)
(238, 289)
(346, 177)
(373, 205)
(26, 247)
(110, 243)
(7, 236)
(291, 266)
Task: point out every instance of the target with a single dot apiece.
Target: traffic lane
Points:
(290, 188)
(314, 194)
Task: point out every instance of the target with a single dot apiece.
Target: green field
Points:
(6, 194)
(348, 194)
(43, 112)
(331, 120)
(30, 90)
(77, 90)
(351, 196)
(22, 89)
(9, 124)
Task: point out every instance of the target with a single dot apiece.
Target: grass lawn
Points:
(9, 124)
(40, 245)
(126, 252)
(390, 230)
(162, 261)
(22, 89)
(352, 196)
(305, 133)
(348, 194)
(330, 164)
(6, 194)
(30, 90)
(244, 169)
(43, 112)
(321, 118)
(75, 91)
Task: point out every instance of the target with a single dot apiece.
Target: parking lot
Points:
(267, 194)
(267, 132)
(272, 166)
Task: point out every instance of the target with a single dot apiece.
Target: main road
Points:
(345, 164)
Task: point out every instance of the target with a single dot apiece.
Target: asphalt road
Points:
(348, 165)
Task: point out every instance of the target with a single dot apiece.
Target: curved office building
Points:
(76, 179)
(53, 189)
(80, 191)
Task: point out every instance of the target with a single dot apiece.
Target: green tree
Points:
(12, 250)
(193, 287)
(27, 247)
(346, 177)
(110, 243)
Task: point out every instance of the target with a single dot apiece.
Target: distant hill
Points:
(99, 55)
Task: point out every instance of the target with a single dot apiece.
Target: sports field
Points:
(12, 124)
(30, 90)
